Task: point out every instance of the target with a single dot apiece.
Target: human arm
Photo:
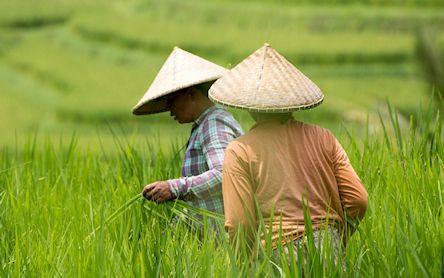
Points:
(238, 194)
(352, 193)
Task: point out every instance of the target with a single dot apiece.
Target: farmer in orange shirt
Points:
(283, 164)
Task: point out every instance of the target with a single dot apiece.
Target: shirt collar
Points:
(202, 116)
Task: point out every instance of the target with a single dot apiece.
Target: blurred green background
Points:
(78, 67)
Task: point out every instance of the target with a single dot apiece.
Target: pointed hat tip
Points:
(266, 44)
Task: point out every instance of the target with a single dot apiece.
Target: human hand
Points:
(158, 191)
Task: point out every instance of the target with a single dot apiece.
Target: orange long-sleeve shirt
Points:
(281, 165)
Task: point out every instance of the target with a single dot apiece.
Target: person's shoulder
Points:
(316, 130)
(220, 117)
(219, 113)
(245, 141)
(216, 115)
(234, 144)
(238, 146)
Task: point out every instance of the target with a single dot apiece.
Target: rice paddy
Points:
(73, 161)
(63, 213)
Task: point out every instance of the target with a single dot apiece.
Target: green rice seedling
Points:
(53, 194)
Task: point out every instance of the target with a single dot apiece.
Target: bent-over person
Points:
(181, 87)
(283, 163)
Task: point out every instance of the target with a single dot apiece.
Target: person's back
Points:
(281, 164)
(292, 164)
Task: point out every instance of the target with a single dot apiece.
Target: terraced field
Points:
(81, 66)
(72, 155)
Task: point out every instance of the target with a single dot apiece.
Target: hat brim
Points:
(159, 104)
(154, 106)
(268, 110)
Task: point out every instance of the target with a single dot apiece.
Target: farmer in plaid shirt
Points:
(181, 87)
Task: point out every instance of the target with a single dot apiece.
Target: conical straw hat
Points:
(181, 70)
(266, 82)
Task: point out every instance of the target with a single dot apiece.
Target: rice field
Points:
(73, 160)
(81, 65)
(63, 212)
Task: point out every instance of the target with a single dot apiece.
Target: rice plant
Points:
(67, 211)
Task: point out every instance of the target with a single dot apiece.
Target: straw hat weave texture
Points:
(181, 70)
(266, 82)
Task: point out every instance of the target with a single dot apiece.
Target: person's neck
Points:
(201, 109)
(266, 117)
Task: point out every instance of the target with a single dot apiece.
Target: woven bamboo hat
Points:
(181, 70)
(266, 82)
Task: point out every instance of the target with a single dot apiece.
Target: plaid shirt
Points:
(201, 182)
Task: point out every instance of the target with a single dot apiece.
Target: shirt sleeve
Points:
(238, 194)
(354, 197)
(217, 133)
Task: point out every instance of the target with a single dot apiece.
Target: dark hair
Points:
(204, 87)
(199, 89)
